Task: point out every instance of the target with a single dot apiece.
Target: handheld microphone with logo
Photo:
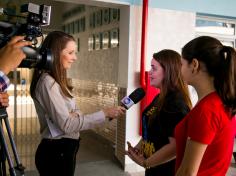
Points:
(133, 98)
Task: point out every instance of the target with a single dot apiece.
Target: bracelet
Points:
(145, 165)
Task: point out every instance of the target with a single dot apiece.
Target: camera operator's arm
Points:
(4, 82)
(10, 57)
(4, 100)
(11, 54)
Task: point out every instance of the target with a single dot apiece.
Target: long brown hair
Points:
(170, 61)
(220, 62)
(55, 41)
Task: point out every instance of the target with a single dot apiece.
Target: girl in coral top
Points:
(205, 137)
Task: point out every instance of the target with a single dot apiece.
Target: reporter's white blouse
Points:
(58, 115)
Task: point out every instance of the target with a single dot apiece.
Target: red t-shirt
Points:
(210, 124)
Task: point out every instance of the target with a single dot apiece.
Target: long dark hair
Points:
(220, 62)
(170, 61)
(55, 41)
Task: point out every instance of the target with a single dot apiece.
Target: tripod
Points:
(14, 171)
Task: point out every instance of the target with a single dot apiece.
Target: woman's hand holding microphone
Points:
(114, 112)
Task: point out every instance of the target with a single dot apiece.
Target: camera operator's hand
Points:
(11, 54)
(4, 99)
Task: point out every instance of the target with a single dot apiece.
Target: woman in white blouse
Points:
(60, 119)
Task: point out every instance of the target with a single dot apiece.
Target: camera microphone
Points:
(133, 98)
(35, 58)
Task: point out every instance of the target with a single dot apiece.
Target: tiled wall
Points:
(94, 75)
(92, 96)
(121, 133)
(96, 65)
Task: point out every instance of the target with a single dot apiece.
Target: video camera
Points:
(36, 16)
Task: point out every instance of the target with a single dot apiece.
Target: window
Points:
(218, 27)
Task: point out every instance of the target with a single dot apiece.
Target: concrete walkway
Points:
(96, 158)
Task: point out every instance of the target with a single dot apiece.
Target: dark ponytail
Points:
(225, 80)
(220, 62)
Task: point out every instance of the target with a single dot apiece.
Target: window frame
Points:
(221, 37)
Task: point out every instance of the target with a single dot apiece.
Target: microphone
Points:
(133, 98)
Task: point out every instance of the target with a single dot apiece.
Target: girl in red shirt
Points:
(205, 137)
